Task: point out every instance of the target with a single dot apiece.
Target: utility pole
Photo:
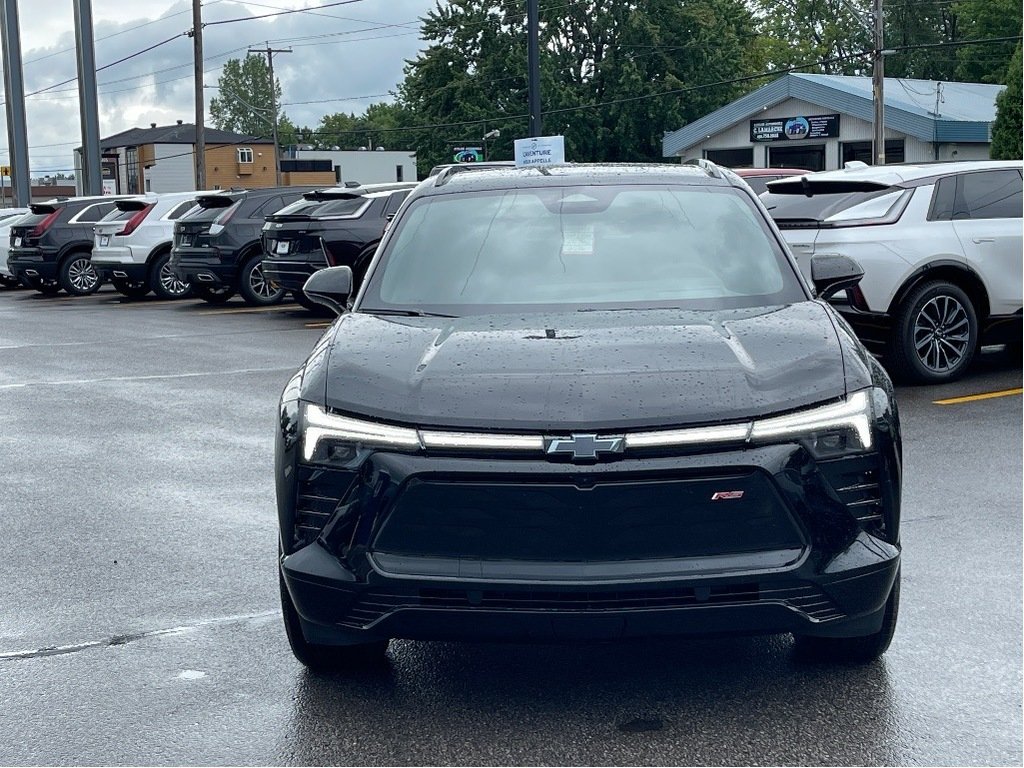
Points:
(14, 92)
(878, 85)
(273, 103)
(197, 58)
(92, 182)
(533, 64)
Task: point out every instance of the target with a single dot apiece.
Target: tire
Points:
(164, 281)
(9, 282)
(210, 295)
(935, 334)
(77, 275)
(854, 650)
(256, 290)
(317, 309)
(129, 289)
(326, 658)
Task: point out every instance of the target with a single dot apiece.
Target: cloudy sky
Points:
(344, 57)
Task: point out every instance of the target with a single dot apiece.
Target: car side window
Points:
(273, 205)
(94, 213)
(395, 201)
(943, 199)
(989, 195)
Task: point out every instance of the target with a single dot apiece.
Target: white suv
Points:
(132, 244)
(940, 245)
(7, 217)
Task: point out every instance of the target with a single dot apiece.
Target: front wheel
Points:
(210, 295)
(254, 286)
(165, 282)
(78, 276)
(935, 334)
(326, 658)
(46, 287)
(854, 650)
(317, 309)
(8, 282)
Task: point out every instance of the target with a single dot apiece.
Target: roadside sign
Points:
(468, 155)
(5, 170)
(540, 150)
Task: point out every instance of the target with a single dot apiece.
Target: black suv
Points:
(587, 402)
(328, 228)
(217, 245)
(51, 246)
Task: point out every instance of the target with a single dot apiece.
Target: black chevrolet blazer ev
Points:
(587, 402)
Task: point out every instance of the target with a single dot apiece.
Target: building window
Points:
(731, 158)
(245, 154)
(337, 174)
(861, 150)
(131, 162)
(809, 158)
(399, 170)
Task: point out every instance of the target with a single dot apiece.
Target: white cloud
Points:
(344, 51)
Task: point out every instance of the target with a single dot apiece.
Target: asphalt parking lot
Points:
(140, 615)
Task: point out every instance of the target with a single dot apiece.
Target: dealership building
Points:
(819, 122)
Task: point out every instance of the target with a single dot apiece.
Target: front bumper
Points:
(31, 264)
(812, 552)
(204, 266)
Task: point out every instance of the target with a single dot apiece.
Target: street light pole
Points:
(533, 65)
(273, 104)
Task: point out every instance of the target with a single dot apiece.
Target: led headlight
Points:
(323, 429)
(827, 430)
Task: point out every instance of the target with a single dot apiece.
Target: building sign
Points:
(540, 150)
(793, 128)
(468, 155)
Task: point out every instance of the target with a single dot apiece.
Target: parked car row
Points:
(940, 244)
(211, 245)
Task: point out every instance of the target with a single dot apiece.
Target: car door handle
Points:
(983, 239)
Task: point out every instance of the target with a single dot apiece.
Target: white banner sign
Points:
(540, 150)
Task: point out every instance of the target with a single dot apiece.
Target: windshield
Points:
(600, 247)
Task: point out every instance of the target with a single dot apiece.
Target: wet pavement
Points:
(140, 623)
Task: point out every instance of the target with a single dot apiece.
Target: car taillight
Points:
(45, 224)
(135, 220)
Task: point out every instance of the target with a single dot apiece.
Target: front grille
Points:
(855, 480)
(806, 598)
(589, 521)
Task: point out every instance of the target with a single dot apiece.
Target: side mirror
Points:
(331, 288)
(833, 272)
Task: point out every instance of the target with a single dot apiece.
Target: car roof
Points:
(573, 174)
(894, 175)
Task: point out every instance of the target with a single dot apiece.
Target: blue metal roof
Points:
(965, 110)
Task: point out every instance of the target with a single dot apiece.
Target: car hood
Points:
(592, 370)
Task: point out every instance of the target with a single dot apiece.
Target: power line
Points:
(279, 13)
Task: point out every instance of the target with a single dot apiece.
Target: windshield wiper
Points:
(404, 313)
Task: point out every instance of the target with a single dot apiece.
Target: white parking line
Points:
(65, 382)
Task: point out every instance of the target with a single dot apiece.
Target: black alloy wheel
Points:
(254, 286)
(935, 334)
(77, 275)
(164, 281)
(129, 289)
(854, 650)
(327, 658)
(211, 295)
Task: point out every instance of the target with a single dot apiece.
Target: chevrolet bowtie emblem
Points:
(583, 446)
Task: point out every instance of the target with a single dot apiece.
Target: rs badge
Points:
(725, 495)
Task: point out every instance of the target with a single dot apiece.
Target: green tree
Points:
(1008, 128)
(796, 32)
(980, 20)
(603, 68)
(244, 102)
